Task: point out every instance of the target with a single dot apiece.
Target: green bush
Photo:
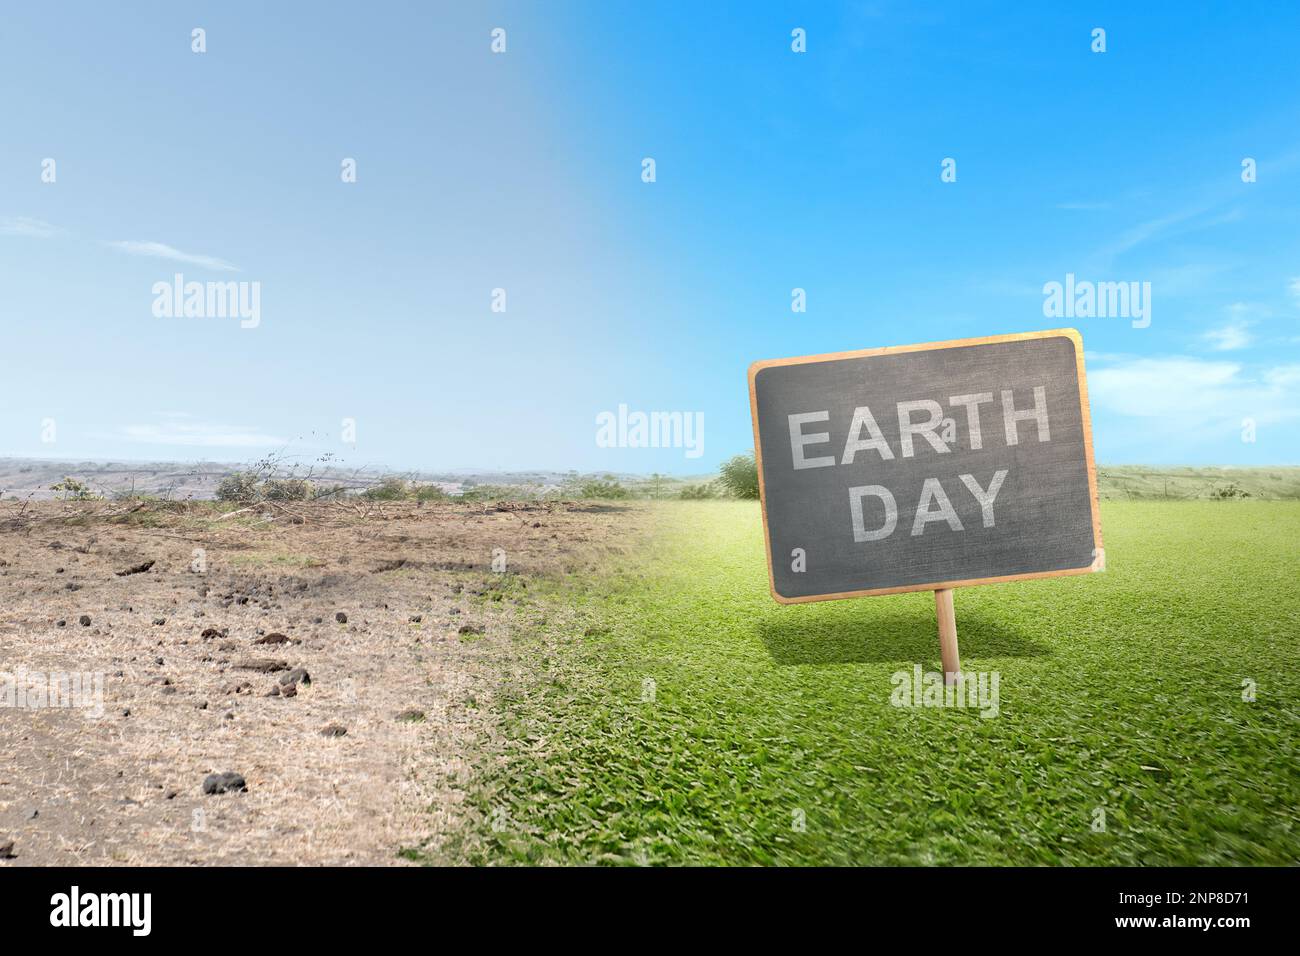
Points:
(1228, 493)
(430, 493)
(390, 489)
(286, 489)
(607, 487)
(496, 493)
(739, 477)
(73, 490)
(238, 486)
(701, 492)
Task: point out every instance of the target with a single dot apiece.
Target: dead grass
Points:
(124, 786)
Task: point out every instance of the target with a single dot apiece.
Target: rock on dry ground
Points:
(305, 684)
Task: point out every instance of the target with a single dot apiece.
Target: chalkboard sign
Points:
(926, 467)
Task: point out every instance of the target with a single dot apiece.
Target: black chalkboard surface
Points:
(923, 467)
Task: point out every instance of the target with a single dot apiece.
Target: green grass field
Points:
(1121, 691)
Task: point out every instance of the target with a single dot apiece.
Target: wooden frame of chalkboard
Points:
(1098, 561)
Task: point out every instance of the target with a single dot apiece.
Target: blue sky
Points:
(523, 171)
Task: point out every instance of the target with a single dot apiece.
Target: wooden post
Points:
(947, 635)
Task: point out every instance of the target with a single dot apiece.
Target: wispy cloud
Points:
(161, 250)
(1143, 232)
(1293, 287)
(26, 226)
(32, 228)
(1193, 216)
(184, 430)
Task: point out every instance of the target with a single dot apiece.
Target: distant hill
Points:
(1173, 483)
(32, 477)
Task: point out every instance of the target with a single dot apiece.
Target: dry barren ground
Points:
(201, 625)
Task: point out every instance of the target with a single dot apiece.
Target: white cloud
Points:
(182, 430)
(1227, 338)
(1192, 395)
(1083, 206)
(162, 251)
(1294, 288)
(26, 226)
(1283, 376)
